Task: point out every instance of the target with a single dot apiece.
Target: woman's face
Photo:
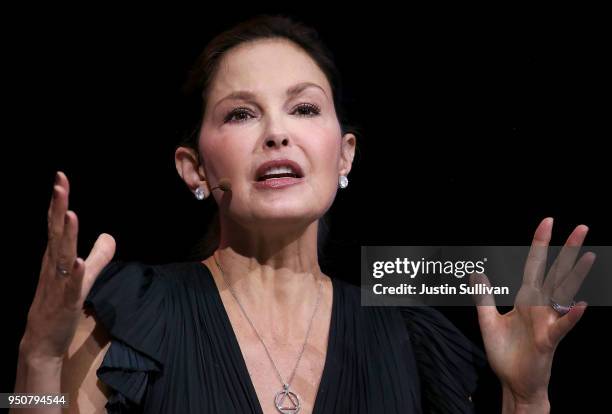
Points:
(240, 133)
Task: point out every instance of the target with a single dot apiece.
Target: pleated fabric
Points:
(173, 349)
(448, 362)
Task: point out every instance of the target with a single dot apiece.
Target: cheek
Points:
(229, 156)
(325, 159)
(328, 154)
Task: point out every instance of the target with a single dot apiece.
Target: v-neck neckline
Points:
(327, 367)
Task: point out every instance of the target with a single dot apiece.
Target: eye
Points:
(240, 112)
(308, 108)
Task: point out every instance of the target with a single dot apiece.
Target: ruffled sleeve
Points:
(128, 299)
(447, 361)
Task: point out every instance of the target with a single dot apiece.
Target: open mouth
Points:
(278, 175)
(283, 168)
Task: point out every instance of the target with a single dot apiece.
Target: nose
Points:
(277, 140)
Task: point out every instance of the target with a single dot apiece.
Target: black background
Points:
(477, 123)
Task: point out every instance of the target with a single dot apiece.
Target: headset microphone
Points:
(224, 185)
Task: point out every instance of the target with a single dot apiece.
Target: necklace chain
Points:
(285, 384)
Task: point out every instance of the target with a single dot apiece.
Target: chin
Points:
(286, 217)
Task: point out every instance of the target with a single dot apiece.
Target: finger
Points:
(536, 259)
(63, 181)
(73, 286)
(101, 254)
(485, 303)
(566, 259)
(55, 214)
(67, 253)
(564, 324)
(569, 287)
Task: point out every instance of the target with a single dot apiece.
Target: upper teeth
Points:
(279, 170)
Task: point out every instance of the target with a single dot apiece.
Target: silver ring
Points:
(62, 271)
(561, 310)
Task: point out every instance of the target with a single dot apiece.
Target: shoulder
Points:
(128, 275)
(138, 268)
(128, 292)
(119, 285)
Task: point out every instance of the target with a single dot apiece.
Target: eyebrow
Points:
(292, 91)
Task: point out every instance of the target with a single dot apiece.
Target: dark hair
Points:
(197, 87)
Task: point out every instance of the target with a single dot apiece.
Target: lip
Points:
(283, 162)
(277, 183)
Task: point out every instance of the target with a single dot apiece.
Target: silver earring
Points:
(199, 193)
(343, 181)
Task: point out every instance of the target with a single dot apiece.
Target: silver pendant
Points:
(287, 402)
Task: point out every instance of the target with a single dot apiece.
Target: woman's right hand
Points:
(58, 302)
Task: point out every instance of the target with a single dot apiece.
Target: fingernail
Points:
(57, 177)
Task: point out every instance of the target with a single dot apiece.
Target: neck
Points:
(274, 274)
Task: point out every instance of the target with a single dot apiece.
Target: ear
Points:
(190, 169)
(347, 153)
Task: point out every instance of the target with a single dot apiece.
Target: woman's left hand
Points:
(520, 344)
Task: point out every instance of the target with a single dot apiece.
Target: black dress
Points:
(173, 349)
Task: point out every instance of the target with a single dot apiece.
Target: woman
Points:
(257, 327)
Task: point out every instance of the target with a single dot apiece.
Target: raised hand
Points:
(65, 280)
(520, 344)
